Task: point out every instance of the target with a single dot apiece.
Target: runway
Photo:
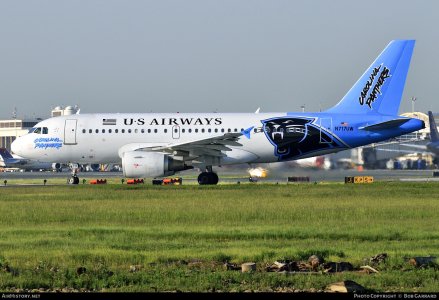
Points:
(234, 175)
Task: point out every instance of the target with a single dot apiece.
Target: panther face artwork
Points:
(293, 137)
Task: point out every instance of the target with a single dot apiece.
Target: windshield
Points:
(39, 130)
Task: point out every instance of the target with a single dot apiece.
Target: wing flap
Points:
(213, 147)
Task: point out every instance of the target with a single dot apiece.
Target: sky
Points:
(205, 56)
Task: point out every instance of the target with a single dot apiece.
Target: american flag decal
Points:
(108, 121)
(344, 124)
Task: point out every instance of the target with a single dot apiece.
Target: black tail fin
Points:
(434, 135)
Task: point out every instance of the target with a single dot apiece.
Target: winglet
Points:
(257, 111)
(5, 154)
(247, 132)
(434, 135)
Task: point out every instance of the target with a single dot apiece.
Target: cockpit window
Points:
(39, 130)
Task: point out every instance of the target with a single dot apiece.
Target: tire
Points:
(214, 178)
(73, 180)
(203, 178)
(208, 178)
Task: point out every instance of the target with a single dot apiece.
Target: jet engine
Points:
(56, 167)
(140, 164)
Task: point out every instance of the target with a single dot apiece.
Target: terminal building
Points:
(13, 128)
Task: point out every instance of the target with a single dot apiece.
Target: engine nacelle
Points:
(56, 166)
(140, 164)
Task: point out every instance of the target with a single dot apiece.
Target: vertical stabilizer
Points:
(380, 88)
(434, 135)
(4, 153)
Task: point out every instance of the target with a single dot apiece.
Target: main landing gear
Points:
(208, 177)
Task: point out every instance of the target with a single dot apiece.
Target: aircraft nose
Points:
(16, 146)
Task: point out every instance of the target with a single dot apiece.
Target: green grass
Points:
(108, 228)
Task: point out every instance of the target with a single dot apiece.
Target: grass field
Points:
(179, 236)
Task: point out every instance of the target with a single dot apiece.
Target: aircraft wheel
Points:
(214, 178)
(203, 178)
(207, 178)
(73, 180)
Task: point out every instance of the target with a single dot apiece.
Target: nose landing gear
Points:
(74, 179)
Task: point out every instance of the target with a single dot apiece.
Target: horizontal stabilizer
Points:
(384, 125)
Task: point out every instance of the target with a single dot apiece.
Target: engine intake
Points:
(140, 164)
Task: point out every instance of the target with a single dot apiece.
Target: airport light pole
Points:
(303, 108)
(413, 104)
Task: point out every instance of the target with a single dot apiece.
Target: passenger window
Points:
(136, 130)
(229, 130)
(196, 130)
(129, 130)
(109, 131)
(236, 130)
(189, 130)
(149, 130)
(155, 130)
(97, 130)
(90, 131)
(183, 130)
(116, 130)
(222, 130)
(103, 130)
(142, 130)
(123, 131)
(83, 130)
(165, 131)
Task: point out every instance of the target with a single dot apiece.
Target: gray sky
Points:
(204, 56)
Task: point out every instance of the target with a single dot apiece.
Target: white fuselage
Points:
(88, 138)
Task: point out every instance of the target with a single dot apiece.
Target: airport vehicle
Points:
(157, 145)
(9, 161)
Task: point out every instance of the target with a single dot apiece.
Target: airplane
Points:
(431, 147)
(160, 144)
(9, 161)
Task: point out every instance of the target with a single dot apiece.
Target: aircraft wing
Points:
(395, 141)
(402, 151)
(420, 147)
(213, 146)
